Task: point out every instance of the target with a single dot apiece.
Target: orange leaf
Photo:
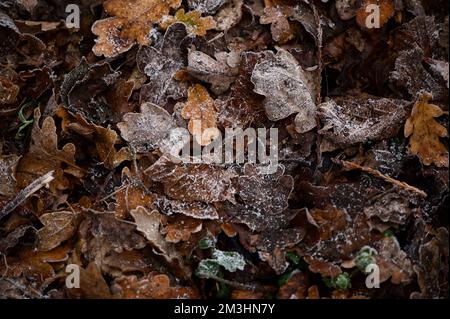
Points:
(424, 132)
(195, 23)
(201, 110)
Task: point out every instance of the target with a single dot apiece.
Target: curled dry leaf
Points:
(424, 133)
(154, 286)
(131, 22)
(195, 23)
(201, 112)
(288, 89)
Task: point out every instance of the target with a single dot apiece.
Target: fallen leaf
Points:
(161, 63)
(193, 182)
(424, 133)
(288, 89)
(195, 23)
(58, 227)
(131, 22)
(44, 156)
(201, 112)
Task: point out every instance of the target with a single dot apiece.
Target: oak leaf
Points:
(195, 23)
(131, 22)
(424, 133)
(201, 112)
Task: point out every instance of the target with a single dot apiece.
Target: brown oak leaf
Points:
(424, 133)
(201, 112)
(131, 22)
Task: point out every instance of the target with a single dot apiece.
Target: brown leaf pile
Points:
(98, 124)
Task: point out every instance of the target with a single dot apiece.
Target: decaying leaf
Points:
(288, 89)
(131, 22)
(201, 112)
(424, 133)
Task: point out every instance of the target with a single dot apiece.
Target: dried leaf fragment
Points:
(424, 133)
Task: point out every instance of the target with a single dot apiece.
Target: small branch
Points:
(374, 172)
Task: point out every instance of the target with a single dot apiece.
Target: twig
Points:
(27, 192)
(374, 172)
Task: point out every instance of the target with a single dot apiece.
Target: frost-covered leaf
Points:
(358, 119)
(193, 20)
(288, 89)
(206, 6)
(392, 261)
(229, 260)
(161, 63)
(148, 129)
(229, 15)
(265, 198)
(424, 133)
(193, 182)
(131, 22)
(214, 71)
(8, 165)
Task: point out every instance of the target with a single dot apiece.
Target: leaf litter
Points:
(93, 118)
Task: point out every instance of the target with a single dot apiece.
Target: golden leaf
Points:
(195, 23)
(424, 132)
